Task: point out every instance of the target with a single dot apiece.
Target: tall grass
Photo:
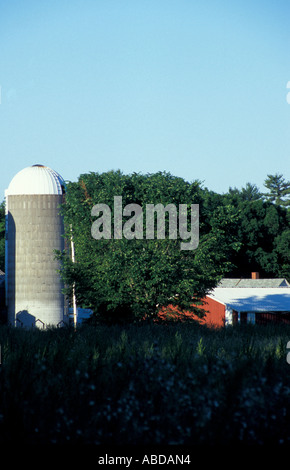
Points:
(145, 384)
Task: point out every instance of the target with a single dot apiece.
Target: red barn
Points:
(243, 300)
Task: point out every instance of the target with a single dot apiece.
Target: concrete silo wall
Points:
(35, 229)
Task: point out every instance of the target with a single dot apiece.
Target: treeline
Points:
(240, 231)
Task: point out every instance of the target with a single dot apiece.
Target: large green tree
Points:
(263, 234)
(121, 278)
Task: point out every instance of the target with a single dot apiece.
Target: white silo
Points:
(34, 229)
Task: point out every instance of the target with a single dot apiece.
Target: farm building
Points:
(252, 300)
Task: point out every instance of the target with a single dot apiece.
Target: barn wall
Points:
(215, 315)
(218, 316)
(272, 317)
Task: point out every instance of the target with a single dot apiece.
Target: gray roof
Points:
(253, 283)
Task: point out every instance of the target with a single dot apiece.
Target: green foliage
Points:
(132, 279)
(278, 190)
(2, 236)
(125, 279)
(141, 385)
(263, 235)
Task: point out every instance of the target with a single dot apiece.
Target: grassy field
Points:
(145, 384)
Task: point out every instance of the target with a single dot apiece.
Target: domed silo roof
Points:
(36, 179)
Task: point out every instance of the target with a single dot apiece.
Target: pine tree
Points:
(279, 190)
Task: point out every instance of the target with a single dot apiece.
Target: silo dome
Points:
(36, 179)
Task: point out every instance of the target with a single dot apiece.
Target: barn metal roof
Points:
(36, 179)
(253, 299)
(227, 282)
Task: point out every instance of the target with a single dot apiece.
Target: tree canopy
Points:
(134, 278)
(264, 237)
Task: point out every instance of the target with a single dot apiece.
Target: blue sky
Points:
(195, 88)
